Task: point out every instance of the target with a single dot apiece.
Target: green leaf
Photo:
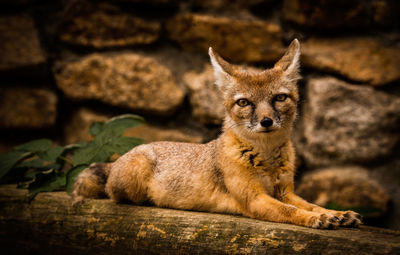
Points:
(42, 173)
(91, 153)
(35, 146)
(46, 182)
(31, 174)
(85, 154)
(74, 146)
(71, 176)
(96, 128)
(39, 164)
(102, 156)
(34, 163)
(121, 145)
(129, 120)
(9, 159)
(51, 154)
(101, 149)
(54, 166)
(116, 125)
(119, 123)
(107, 140)
(107, 135)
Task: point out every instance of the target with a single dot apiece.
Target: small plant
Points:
(41, 167)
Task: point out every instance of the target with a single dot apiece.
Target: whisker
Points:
(237, 124)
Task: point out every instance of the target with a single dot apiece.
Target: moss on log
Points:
(50, 224)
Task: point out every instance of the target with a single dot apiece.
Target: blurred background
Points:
(67, 64)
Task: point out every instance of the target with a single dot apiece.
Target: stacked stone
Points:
(66, 65)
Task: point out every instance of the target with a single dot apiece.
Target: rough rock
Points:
(348, 187)
(346, 123)
(103, 25)
(388, 174)
(178, 62)
(151, 2)
(226, 5)
(238, 40)
(204, 96)
(129, 80)
(27, 108)
(19, 43)
(79, 124)
(16, 3)
(82, 119)
(363, 60)
(152, 133)
(332, 14)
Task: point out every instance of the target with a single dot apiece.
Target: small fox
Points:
(248, 170)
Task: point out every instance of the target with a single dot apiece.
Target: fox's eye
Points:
(281, 97)
(242, 102)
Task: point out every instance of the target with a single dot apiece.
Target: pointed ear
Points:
(290, 62)
(222, 70)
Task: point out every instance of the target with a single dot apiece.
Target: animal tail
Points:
(91, 182)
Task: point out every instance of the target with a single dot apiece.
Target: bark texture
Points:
(50, 224)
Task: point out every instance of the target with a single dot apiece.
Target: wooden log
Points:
(50, 224)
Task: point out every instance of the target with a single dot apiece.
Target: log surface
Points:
(50, 224)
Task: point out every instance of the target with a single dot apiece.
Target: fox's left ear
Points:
(290, 62)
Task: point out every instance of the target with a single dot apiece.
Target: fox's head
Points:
(259, 103)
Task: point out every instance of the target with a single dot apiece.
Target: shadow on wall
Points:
(67, 64)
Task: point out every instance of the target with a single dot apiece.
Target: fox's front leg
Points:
(346, 218)
(255, 203)
(286, 194)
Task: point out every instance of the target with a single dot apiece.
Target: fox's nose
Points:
(266, 122)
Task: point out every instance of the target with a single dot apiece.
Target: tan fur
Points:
(90, 183)
(248, 170)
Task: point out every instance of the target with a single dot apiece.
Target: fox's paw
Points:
(324, 221)
(349, 219)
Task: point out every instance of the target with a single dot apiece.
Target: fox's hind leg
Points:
(129, 178)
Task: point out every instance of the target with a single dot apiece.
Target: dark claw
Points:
(334, 219)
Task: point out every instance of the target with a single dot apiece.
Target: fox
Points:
(248, 170)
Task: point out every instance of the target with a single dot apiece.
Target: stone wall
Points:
(66, 64)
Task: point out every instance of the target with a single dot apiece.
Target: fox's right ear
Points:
(222, 70)
(290, 62)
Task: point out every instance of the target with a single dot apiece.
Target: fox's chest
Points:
(269, 170)
(275, 185)
(261, 162)
(268, 183)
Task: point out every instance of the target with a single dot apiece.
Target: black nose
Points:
(266, 122)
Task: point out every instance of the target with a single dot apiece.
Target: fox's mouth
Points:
(266, 131)
(262, 130)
